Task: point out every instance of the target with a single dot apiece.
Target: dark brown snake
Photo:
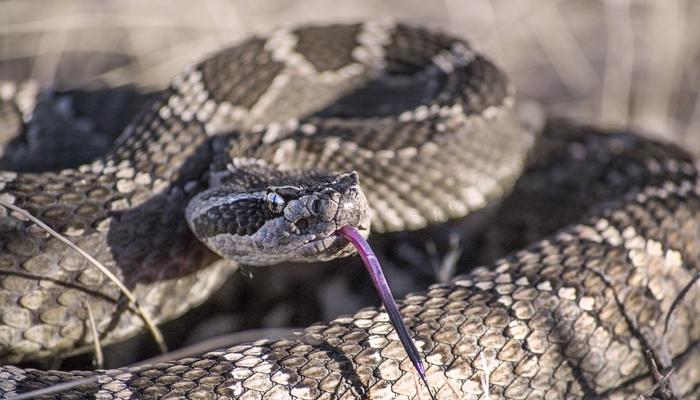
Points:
(254, 149)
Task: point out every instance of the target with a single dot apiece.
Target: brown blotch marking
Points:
(241, 74)
(327, 55)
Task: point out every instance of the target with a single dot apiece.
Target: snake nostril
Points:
(302, 224)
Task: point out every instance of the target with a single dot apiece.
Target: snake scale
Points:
(266, 148)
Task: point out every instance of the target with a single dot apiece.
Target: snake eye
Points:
(315, 206)
(275, 202)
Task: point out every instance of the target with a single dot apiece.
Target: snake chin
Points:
(282, 223)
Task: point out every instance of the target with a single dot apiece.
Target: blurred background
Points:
(616, 63)
(619, 62)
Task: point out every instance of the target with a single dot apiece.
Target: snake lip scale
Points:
(250, 153)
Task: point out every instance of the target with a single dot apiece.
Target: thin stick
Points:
(559, 45)
(679, 299)
(219, 342)
(155, 332)
(485, 376)
(619, 64)
(99, 357)
(57, 388)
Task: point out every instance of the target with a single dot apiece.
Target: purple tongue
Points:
(375, 271)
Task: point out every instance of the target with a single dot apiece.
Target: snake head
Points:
(286, 221)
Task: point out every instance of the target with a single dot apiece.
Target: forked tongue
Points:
(375, 271)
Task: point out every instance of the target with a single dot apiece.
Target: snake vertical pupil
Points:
(315, 207)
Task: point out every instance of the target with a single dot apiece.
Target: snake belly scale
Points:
(263, 150)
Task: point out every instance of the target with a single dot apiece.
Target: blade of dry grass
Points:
(53, 389)
(188, 351)
(559, 45)
(44, 68)
(619, 64)
(99, 356)
(663, 44)
(486, 374)
(220, 342)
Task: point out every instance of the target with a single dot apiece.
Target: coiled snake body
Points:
(251, 153)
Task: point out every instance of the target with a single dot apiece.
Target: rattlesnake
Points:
(431, 128)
